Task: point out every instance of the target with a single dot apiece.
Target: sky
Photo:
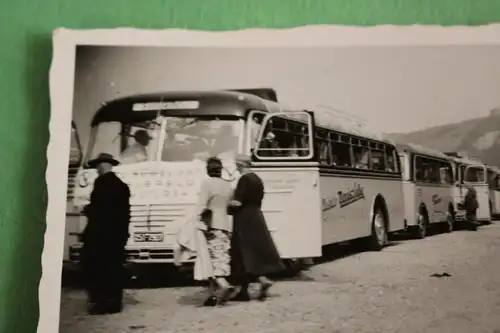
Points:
(394, 89)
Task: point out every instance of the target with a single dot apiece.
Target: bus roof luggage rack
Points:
(264, 93)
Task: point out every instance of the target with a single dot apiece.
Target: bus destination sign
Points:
(155, 106)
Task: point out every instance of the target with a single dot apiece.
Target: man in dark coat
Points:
(470, 205)
(105, 237)
(253, 252)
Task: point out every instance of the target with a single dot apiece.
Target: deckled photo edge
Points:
(62, 85)
(61, 76)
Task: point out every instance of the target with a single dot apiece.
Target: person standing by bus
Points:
(105, 237)
(215, 195)
(470, 205)
(253, 252)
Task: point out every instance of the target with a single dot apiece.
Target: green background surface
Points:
(25, 56)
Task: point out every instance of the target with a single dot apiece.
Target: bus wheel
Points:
(420, 231)
(378, 238)
(293, 267)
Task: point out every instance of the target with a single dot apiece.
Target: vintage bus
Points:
(324, 184)
(428, 188)
(72, 213)
(494, 188)
(471, 172)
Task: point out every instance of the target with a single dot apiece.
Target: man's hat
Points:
(103, 158)
(142, 134)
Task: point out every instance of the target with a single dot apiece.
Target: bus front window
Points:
(191, 138)
(129, 143)
(475, 175)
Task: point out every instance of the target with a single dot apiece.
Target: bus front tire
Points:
(450, 223)
(420, 230)
(378, 237)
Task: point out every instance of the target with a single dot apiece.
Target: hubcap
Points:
(421, 223)
(379, 225)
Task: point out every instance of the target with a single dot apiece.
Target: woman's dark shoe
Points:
(211, 301)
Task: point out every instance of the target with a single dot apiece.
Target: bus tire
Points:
(293, 267)
(420, 230)
(491, 214)
(378, 237)
(450, 222)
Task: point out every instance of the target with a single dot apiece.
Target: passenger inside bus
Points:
(269, 142)
(324, 153)
(391, 166)
(300, 143)
(299, 146)
(360, 158)
(378, 162)
(419, 172)
(137, 152)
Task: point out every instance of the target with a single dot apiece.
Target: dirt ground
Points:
(390, 291)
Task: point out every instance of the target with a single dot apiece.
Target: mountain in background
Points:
(478, 138)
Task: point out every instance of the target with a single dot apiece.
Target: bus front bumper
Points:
(135, 255)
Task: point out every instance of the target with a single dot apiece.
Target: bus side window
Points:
(420, 170)
(446, 174)
(432, 171)
(391, 156)
(273, 137)
(284, 138)
(402, 162)
(300, 137)
(340, 150)
(323, 152)
(361, 154)
(377, 156)
(323, 147)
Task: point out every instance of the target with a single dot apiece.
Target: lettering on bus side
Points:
(356, 193)
(436, 200)
(343, 199)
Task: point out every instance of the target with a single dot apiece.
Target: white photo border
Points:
(62, 84)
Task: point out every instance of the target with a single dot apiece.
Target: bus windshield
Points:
(475, 174)
(129, 143)
(190, 138)
(168, 139)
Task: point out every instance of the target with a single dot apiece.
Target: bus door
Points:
(475, 176)
(409, 189)
(284, 154)
(496, 195)
(494, 191)
(458, 189)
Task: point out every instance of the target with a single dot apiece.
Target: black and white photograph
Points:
(275, 188)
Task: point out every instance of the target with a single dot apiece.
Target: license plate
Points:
(148, 237)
